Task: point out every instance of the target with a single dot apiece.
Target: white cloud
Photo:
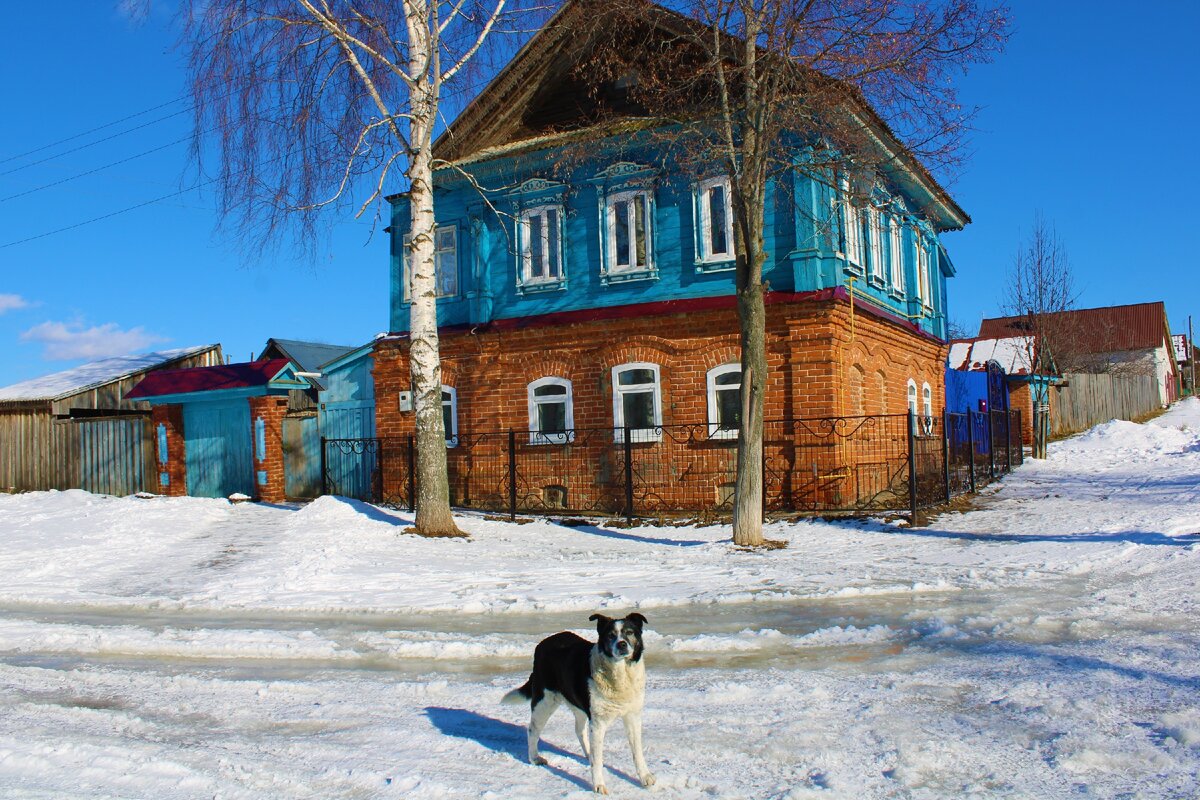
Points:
(11, 302)
(69, 340)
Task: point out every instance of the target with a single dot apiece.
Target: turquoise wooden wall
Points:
(803, 240)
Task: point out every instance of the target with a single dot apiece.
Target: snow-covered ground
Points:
(1044, 645)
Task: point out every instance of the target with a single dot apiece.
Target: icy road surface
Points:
(1045, 645)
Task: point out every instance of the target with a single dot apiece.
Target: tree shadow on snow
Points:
(609, 533)
(500, 736)
(375, 513)
(1085, 537)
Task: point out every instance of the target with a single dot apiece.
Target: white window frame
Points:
(535, 434)
(927, 401)
(924, 279)
(526, 265)
(631, 196)
(406, 263)
(912, 396)
(852, 228)
(715, 431)
(452, 434)
(875, 245)
(653, 434)
(896, 242)
(704, 222)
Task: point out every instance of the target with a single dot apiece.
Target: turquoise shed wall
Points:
(804, 235)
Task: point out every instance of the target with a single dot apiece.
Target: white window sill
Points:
(628, 276)
(638, 435)
(852, 268)
(535, 286)
(706, 265)
(551, 438)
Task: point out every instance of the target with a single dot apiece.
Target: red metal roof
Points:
(1111, 329)
(208, 379)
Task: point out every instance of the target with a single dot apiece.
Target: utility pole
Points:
(1191, 353)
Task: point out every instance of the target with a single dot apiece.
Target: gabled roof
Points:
(95, 374)
(493, 120)
(1112, 329)
(1013, 354)
(307, 356)
(210, 379)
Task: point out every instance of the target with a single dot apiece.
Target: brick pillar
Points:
(170, 473)
(268, 470)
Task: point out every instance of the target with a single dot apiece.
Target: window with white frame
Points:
(853, 222)
(450, 414)
(927, 403)
(912, 396)
(715, 220)
(637, 402)
(875, 243)
(629, 231)
(725, 401)
(445, 259)
(541, 245)
(896, 241)
(924, 279)
(551, 412)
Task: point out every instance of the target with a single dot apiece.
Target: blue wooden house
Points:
(586, 279)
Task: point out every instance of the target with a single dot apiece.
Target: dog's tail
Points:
(518, 696)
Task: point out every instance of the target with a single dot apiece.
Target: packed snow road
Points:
(1044, 645)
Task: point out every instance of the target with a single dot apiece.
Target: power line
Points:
(90, 144)
(93, 130)
(107, 216)
(93, 171)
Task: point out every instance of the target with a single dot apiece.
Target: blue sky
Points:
(1088, 117)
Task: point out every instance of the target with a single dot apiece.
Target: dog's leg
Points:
(537, 720)
(633, 729)
(596, 755)
(581, 726)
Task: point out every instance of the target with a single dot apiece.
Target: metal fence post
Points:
(512, 474)
(971, 445)
(324, 475)
(412, 475)
(1008, 439)
(991, 418)
(946, 451)
(628, 477)
(1020, 437)
(912, 465)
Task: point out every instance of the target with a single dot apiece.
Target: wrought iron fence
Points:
(827, 465)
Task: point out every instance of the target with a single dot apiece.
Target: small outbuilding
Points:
(78, 429)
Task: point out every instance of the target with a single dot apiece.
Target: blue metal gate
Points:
(218, 448)
(348, 473)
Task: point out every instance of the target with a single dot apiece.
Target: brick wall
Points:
(176, 467)
(821, 363)
(271, 410)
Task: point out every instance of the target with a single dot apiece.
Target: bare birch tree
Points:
(767, 87)
(1039, 289)
(315, 107)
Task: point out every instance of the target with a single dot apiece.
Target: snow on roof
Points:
(1013, 354)
(93, 374)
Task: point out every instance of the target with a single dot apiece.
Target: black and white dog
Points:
(601, 682)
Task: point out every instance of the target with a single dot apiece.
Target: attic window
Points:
(627, 81)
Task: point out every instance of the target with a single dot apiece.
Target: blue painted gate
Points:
(349, 470)
(218, 448)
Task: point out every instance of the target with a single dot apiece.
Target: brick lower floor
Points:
(825, 357)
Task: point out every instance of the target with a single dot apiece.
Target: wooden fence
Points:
(1088, 400)
(113, 455)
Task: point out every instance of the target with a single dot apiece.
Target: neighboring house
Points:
(597, 291)
(77, 429)
(1130, 339)
(219, 430)
(308, 358)
(978, 368)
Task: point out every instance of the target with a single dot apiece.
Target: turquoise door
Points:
(218, 447)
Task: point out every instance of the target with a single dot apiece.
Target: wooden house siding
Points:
(42, 447)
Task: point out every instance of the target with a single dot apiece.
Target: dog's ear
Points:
(600, 621)
(636, 619)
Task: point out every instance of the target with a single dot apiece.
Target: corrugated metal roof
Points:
(309, 356)
(208, 379)
(94, 374)
(1111, 329)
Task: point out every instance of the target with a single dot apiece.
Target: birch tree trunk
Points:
(752, 322)
(432, 482)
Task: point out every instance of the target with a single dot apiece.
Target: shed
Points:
(308, 358)
(219, 430)
(78, 429)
